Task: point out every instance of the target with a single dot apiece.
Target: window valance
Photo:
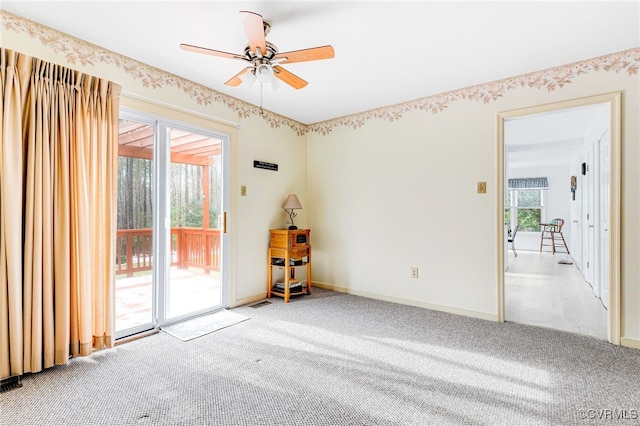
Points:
(529, 183)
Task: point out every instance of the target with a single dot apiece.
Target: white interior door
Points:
(589, 262)
(605, 167)
(575, 210)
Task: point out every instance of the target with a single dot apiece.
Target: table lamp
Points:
(290, 205)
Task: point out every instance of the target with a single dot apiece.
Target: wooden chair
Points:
(511, 237)
(552, 232)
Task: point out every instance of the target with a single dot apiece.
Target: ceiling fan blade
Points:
(254, 28)
(206, 51)
(236, 80)
(289, 78)
(312, 54)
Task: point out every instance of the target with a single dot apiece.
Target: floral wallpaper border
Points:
(550, 79)
(77, 51)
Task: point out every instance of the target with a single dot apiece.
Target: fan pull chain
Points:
(261, 111)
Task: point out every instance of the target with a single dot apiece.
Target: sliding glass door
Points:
(195, 204)
(170, 237)
(135, 232)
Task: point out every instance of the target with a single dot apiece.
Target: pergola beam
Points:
(176, 157)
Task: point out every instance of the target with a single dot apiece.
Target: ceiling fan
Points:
(263, 56)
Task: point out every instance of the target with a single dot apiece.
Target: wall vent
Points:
(260, 304)
(10, 383)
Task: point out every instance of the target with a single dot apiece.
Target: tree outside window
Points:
(525, 209)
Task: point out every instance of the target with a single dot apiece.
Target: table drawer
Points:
(289, 238)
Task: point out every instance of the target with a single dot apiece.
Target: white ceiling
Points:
(386, 52)
(551, 139)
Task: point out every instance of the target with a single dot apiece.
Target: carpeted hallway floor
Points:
(336, 359)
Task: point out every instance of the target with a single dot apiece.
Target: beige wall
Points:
(391, 195)
(387, 195)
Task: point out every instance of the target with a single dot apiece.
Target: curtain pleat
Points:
(62, 231)
(58, 159)
(14, 69)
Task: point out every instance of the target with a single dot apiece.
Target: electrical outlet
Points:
(414, 272)
(243, 191)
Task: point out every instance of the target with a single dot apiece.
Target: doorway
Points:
(607, 187)
(171, 223)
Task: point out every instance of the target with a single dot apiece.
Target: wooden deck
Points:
(189, 290)
(194, 282)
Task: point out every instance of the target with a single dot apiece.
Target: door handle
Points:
(591, 226)
(224, 222)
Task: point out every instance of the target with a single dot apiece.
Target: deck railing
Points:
(190, 248)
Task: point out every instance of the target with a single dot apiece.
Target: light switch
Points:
(243, 191)
(482, 187)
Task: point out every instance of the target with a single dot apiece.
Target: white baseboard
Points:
(247, 300)
(448, 309)
(624, 341)
(630, 343)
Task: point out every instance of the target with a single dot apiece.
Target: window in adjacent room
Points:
(525, 203)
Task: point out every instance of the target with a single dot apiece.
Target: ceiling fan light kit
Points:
(263, 57)
(264, 73)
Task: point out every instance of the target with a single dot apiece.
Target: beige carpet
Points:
(333, 359)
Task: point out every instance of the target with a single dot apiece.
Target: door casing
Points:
(614, 101)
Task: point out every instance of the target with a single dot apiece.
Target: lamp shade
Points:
(292, 202)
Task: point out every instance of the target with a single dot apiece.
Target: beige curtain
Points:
(58, 171)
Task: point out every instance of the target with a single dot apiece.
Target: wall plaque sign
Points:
(263, 165)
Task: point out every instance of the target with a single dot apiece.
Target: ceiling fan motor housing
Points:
(250, 56)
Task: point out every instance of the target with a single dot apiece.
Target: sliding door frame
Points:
(163, 118)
